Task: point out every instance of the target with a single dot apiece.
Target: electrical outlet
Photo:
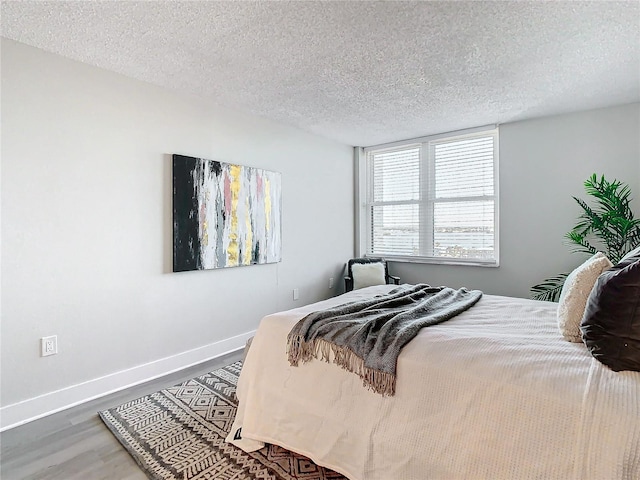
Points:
(49, 345)
(296, 294)
(331, 282)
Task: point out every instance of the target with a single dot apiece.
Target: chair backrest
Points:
(367, 276)
(370, 276)
(365, 260)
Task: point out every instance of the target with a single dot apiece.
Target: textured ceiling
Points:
(362, 73)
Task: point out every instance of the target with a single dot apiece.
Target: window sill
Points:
(440, 261)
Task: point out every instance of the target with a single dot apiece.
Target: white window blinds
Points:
(395, 212)
(434, 200)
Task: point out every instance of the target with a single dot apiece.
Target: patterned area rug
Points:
(179, 433)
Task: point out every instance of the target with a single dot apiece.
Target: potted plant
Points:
(609, 226)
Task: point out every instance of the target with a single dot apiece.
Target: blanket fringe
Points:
(300, 351)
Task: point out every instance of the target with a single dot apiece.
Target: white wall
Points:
(543, 163)
(86, 225)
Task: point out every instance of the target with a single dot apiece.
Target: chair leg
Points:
(348, 284)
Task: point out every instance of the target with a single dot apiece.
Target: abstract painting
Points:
(224, 215)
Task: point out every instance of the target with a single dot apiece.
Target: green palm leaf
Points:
(550, 289)
(609, 224)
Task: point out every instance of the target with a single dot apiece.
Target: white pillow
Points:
(574, 295)
(367, 274)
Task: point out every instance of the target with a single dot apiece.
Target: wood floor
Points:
(75, 444)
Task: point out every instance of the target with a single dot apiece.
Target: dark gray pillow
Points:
(611, 323)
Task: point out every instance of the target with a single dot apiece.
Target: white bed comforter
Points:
(494, 393)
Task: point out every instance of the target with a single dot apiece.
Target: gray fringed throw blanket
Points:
(366, 337)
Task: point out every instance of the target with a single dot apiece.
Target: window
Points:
(432, 200)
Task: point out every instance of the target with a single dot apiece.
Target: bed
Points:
(493, 393)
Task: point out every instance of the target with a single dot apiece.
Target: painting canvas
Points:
(224, 215)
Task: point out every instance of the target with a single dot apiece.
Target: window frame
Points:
(364, 184)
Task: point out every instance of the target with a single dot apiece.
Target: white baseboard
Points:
(37, 407)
